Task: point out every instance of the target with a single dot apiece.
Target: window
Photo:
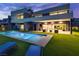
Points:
(60, 26)
(22, 26)
(20, 16)
(44, 26)
(53, 13)
(62, 11)
(58, 12)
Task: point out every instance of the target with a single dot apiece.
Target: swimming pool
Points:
(38, 39)
(20, 35)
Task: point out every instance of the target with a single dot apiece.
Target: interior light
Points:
(60, 22)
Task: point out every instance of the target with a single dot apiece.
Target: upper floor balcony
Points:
(50, 17)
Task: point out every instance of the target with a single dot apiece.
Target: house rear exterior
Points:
(56, 19)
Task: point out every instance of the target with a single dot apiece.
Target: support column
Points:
(70, 26)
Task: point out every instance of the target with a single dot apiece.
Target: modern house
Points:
(5, 24)
(56, 19)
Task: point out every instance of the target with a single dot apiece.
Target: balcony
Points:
(53, 17)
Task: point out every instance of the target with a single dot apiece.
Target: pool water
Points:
(22, 36)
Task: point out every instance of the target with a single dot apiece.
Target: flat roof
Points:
(64, 6)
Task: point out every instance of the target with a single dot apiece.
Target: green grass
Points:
(21, 46)
(62, 45)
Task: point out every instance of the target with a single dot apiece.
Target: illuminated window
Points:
(60, 22)
(60, 26)
(3, 28)
(53, 13)
(62, 11)
(22, 26)
(58, 12)
(44, 26)
(20, 16)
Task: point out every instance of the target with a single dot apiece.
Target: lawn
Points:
(60, 45)
(21, 46)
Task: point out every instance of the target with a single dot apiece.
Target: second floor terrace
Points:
(25, 15)
(51, 17)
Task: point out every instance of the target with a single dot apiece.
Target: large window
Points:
(60, 27)
(20, 16)
(62, 11)
(53, 13)
(59, 12)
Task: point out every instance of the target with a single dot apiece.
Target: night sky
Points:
(6, 8)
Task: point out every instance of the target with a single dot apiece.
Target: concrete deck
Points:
(42, 40)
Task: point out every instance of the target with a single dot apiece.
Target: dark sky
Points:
(75, 9)
(6, 8)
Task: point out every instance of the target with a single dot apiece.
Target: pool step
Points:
(34, 50)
